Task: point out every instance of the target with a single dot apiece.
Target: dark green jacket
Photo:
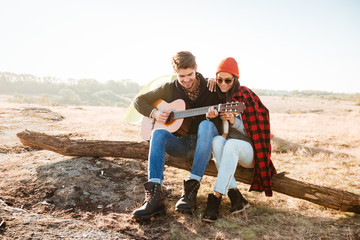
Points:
(172, 91)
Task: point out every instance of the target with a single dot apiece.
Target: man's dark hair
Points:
(184, 60)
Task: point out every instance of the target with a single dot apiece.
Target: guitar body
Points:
(147, 125)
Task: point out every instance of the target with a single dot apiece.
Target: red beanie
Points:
(228, 65)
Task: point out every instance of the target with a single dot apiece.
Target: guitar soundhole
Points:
(170, 118)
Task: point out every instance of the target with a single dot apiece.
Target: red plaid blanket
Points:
(257, 124)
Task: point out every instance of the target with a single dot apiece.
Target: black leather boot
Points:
(238, 202)
(212, 208)
(187, 202)
(153, 204)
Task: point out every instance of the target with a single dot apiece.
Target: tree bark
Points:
(324, 196)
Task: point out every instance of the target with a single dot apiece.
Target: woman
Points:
(245, 141)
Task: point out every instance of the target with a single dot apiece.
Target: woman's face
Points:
(225, 81)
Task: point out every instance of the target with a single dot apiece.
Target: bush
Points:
(69, 96)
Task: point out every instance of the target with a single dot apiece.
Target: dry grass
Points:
(317, 141)
(319, 148)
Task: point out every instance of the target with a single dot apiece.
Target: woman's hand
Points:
(228, 116)
(211, 84)
(212, 113)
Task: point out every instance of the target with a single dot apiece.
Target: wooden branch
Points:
(324, 196)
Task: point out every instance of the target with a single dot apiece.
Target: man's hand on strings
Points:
(161, 115)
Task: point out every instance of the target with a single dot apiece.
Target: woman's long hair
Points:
(227, 97)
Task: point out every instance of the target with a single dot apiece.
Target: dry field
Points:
(44, 195)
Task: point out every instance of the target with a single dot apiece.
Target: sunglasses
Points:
(226, 80)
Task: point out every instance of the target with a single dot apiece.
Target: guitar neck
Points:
(192, 112)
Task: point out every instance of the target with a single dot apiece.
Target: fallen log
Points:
(324, 196)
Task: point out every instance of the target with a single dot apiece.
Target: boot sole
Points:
(146, 217)
(185, 210)
(241, 210)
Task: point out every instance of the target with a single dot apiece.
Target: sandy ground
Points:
(44, 195)
(34, 183)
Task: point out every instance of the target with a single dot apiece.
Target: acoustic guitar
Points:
(175, 123)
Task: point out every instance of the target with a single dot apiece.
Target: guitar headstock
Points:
(232, 107)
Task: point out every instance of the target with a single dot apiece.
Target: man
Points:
(196, 144)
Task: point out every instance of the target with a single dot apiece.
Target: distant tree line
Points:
(51, 90)
(310, 93)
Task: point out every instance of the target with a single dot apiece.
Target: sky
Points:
(278, 44)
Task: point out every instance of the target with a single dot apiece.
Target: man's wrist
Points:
(151, 113)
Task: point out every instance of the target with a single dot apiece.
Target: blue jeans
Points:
(184, 148)
(228, 154)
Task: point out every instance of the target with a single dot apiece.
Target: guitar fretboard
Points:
(192, 112)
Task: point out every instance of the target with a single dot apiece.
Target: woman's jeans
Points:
(185, 148)
(228, 154)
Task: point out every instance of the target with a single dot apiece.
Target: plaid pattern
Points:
(192, 95)
(257, 124)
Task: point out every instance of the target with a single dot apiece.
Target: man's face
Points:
(187, 78)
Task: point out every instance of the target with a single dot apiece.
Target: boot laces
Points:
(190, 193)
(147, 195)
(150, 194)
